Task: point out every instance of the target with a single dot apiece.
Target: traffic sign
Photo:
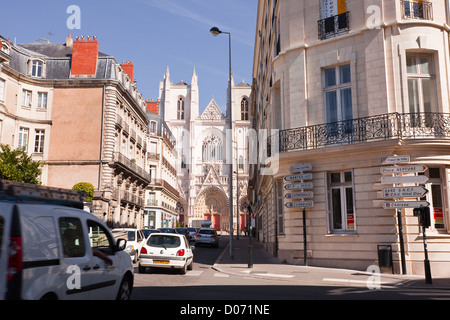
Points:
(302, 167)
(297, 177)
(395, 159)
(404, 192)
(403, 169)
(300, 204)
(404, 179)
(299, 186)
(405, 204)
(299, 195)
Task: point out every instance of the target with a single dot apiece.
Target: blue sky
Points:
(154, 34)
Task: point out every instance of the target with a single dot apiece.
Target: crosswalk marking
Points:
(194, 273)
(221, 275)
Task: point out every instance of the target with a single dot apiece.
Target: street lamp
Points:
(215, 32)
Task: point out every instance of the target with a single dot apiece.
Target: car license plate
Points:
(160, 262)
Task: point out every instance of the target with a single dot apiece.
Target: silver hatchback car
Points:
(207, 236)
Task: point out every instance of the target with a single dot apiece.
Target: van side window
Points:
(72, 237)
(98, 237)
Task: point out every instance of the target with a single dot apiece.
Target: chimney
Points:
(69, 41)
(152, 106)
(84, 58)
(128, 67)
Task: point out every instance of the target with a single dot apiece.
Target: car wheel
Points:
(183, 269)
(125, 288)
(191, 265)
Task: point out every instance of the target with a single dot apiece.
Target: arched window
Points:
(244, 109)
(212, 148)
(180, 109)
(241, 163)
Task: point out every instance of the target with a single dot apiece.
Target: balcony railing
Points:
(417, 10)
(130, 165)
(333, 26)
(374, 128)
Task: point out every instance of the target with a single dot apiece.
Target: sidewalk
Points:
(265, 266)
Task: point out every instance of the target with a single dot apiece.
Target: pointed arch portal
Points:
(212, 204)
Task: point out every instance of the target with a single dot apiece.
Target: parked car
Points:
(167, 230)
(207, 236)
(135, 239)
(192, 233)
(52, 249)
(166, 250)
(185, 232)
(147, 232)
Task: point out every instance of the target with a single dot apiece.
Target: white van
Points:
(51, 249)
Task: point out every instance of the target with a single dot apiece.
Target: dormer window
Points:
(4, 47)
(37, 68)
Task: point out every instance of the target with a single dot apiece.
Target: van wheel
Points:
(125, 288)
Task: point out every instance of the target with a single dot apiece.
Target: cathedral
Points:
(202, 146)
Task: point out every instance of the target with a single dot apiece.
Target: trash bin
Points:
(385, 257)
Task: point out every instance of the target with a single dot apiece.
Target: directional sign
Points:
(299, 186)
(300, 204)
(403, 169)
(395, 159)
(404, 192)
(405, 204)
(302, 167)
(299, 195)
(404, 179)
(297, 177)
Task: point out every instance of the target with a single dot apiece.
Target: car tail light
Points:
(14, 257)
(199, 236)
(143, 250)
(180, 253)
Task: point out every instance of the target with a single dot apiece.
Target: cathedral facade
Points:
(203, 138)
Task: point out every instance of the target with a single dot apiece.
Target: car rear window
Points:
(206, 231)
(163, 241)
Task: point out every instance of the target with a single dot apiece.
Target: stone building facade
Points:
(203, 166)
(340, 86)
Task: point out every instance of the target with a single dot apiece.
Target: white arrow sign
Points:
(300, 204)
(395, 159)
(405, 204)
(299, 186)
(403, 169)
(404, 192)
(404, 179)
(299, 195)
(302, 167)
(297, 177)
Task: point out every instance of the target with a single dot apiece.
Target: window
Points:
(241, 163)
(341, 207)
(338, 96)
(183, 162)
(244, 109)
(42, 100)
(98, 238)
(23, 138)
(153, 127)
(2, 90)
(334, 18)
(26, 98)
(417, 9)
(435, 197)
(180, 109)
(39, 141)
(36, 68)
(421, 85)
(72, 237)
(212, 148)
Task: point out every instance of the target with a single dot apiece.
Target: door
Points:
(105, 272)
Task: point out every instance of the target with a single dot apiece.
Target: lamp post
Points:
(215, 32)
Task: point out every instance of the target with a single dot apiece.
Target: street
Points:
(207, 282)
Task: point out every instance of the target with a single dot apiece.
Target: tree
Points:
(17, 165)
(87, 188)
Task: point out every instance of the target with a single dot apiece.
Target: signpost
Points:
(399, 193)
(301, 195)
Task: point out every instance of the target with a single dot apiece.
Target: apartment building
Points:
(162, 205)
(339, 87)
(79, 111)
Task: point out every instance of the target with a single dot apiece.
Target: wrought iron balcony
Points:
(333, 26)
(373, 128)
(417, 10)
